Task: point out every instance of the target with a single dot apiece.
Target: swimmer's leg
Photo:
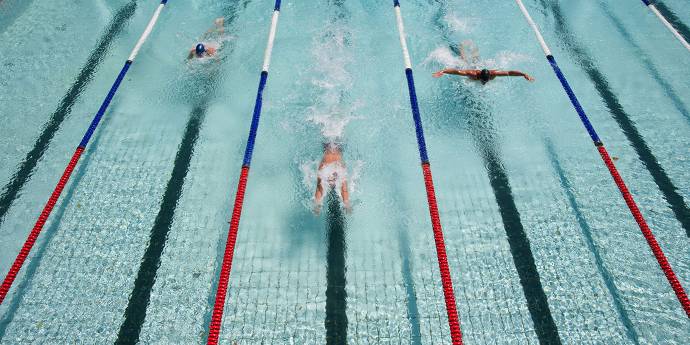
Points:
(216, 32)
(463, 56)
(475, 55)
(220, 25)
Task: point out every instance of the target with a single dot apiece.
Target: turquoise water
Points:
(509, 158)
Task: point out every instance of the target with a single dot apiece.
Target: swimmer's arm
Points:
(190, 55)
(512, 74)
(462, 72)
(346, 197)
(318, 196)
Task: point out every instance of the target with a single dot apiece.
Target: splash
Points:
(332, 110)
(506, 60)
(459, 24)
(502, 60)
(445, 57)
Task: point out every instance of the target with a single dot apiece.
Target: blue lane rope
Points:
(215, 325)
(57, 191)
(249, 150)
(419, 130)
(573, 99)
(442, 256)
(625, 192)
(104, 106)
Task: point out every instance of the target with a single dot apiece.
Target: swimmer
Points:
(483, 75)
(202, 49)
(332, 174)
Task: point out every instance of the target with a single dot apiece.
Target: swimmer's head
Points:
(332, 179)
(200, 49)
(485, 76)
(331, 147)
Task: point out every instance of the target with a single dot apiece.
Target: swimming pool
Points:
(511, 161)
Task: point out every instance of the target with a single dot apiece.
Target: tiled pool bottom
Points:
(293, 280)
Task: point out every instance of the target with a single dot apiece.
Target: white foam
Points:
(459, 24)
(445, 57)
(506, 60)
(351, 173)
(331, 110)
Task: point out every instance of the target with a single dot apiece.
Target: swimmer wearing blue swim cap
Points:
(214, 34)
(200, 49)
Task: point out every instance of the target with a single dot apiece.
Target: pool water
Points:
(541, 246)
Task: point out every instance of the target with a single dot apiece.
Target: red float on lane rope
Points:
(226, 267)
(647, 232)
(36, 231)
(446, 281)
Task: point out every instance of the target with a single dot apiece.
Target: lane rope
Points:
(221, 292)
(627, 196)
(447, 282)
(667, 24)
(48, 208)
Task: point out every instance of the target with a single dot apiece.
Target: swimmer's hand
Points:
(438, 74)
(528, 77)
(348, 207)
(317, 209)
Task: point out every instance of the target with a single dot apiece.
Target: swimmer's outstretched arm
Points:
(462, 72)
(346, 197)
(512, 74)
(318, 196)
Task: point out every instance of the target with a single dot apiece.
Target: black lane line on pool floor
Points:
(135, 313)
(32, 265)
(410, 291)
(589, 239)
(586, 62)
(479, 121)
(520, 247)
(406, 266)
(644, 59)
(336, 260)
(12, 189)
(673, 19)
(336, 254)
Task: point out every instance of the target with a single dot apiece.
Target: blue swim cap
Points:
(200, 49)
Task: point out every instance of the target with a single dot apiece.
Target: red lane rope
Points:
(36, 231)
(447, 282)
(647, 232)
(219, 306)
